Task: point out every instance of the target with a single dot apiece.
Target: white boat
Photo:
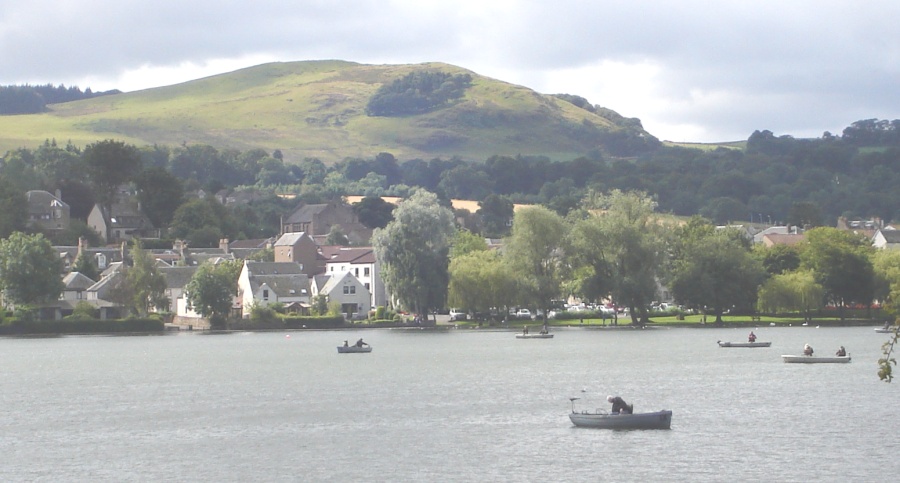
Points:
(885, 330)
(534, 336)
(604, 420)
(353, 349)
(815, 359)
(744, 344)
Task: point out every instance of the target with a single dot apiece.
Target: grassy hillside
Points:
(317, 109)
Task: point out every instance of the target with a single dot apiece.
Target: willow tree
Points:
(791, 292)
(413, 251)
(621, 243)
(480, 281)
(535, 252)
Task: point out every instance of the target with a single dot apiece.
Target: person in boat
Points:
(619, 406)
(545, 330)
(807, 350)
(752, 337)
(841, 352)
(360, 343)
(345, 344)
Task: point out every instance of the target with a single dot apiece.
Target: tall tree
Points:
(465, 242)
(791, 292)
(480, 281)
(373, 211)
(13, 208)
(496, 212)
(85, 265)
(718, 273)
(631, 240)
(535, 251)
(109, 164)
(842, 264)
(212, 289)
(29, 269)
(413, 250)
(160, 194)
(142, 286)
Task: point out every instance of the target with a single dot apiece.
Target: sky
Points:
(692, 71)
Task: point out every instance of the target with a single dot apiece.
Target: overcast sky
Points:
(690, 70)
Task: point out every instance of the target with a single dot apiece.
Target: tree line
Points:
(28, 99)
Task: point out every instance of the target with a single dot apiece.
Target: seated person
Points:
(345, 344)
(619, 405)
(751, 337)
(841, 352)
(807, 350)
(360, 343)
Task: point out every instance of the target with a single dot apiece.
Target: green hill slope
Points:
(317, 109)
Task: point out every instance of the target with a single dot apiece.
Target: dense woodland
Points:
(775, 179)
(28, 99)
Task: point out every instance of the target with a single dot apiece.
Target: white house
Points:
(264, 283)
(345, 289)
(362, 264)
(176, 279)
(886, 239)
(75, 287)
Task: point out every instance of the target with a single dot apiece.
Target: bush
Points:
(83, 326)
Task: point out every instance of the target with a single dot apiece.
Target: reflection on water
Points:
(443, 405)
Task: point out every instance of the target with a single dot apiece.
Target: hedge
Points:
(81, 326)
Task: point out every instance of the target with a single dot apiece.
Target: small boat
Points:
(743, 344)
(534, 336)
(816, 360)
(885, 330)
(604, 420)
(353, 349)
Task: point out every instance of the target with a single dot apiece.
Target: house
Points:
(103, 256)
(47, 211)
(75, 286)
(265, 283)
(298, 247)
(772, 239)
(243, 249)
(318, 219)
(123, 221)
(359, 261)
(345, 289)
(886, 239)
(176, 279)
(866, 228)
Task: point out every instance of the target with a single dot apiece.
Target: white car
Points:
(456, 314)
(523, 314)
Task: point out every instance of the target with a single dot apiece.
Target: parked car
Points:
(523, 314)
(456, 314)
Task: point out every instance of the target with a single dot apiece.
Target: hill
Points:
(318, 109)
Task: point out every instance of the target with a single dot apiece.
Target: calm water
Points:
(461, 405)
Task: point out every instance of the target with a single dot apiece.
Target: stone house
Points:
(265, 283)
(47, 211)
(318, 219)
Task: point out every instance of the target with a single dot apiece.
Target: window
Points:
(366, 271)
(353, 289)
(346, 289)
(356, 272)
(265, 295)
(367, 287)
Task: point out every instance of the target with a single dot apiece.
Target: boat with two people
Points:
(543, 334)
(601, 419)
(359, 347)
(887, 329)
(840, 357)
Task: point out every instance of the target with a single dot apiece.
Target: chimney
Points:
(223, 245)
(82, 246)
(58, 194)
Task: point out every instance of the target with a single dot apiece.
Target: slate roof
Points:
(305, 213)
(177, 277)
(293, 285)
(289, 239)
(349, 255)
(77, 281)
(891, 236)
(256, 269)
